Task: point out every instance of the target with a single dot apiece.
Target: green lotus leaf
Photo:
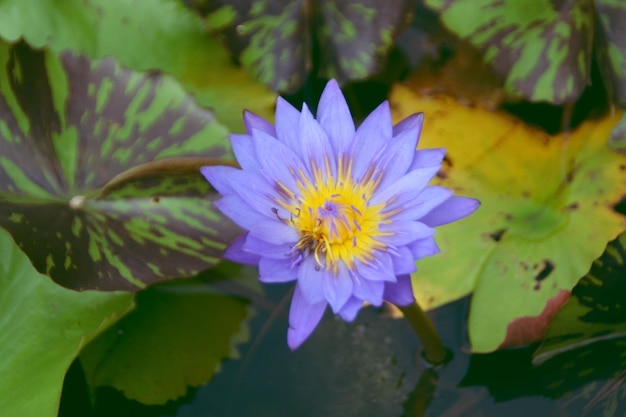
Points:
(99, 180)
(176, 337)
(541, 47)
(277, 41)
(546, 213)
(43, 327)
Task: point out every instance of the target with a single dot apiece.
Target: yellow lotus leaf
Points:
(546, 213)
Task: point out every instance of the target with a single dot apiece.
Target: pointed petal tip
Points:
(206, 171)
(246, 115)
(451, 210)
(333, 114)
(413, 122)
(303, 318)
(332, 83)
(415, 119)
(283, 105)
(351, 309)
(217, 176)
(294, 339)
(253, 121)
(338, 288)
(235, 252)
(331, 90)
(468, 205)
(400, 293)
(384, 107)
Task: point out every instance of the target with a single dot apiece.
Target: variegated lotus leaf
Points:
(280, 42)
(584, 382)
(610, 42)
(99, 181)
(541, 47)
(611, 54)
(617, 140)
(595, 311)
(546, 211)
(143, 35)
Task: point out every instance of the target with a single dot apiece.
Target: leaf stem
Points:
(434, 351)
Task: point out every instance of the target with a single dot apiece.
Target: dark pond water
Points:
(373, 368)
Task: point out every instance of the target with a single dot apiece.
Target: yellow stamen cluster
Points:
(333, 215)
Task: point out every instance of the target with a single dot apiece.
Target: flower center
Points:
(335, 221)
(329, 230)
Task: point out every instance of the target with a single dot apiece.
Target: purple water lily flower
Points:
(343, 212)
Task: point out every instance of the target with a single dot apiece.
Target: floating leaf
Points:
(142, 35)
(530, 329)
(542, 48)
(532, 236)
(617, 140)
(610, 45)
(74, 134)
(596, 309)
(175, 338)
(42, 329)
(277, 41)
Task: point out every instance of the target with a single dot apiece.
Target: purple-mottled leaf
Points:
(541, 47)
(99, 171)
(277, 40)
(610, 42)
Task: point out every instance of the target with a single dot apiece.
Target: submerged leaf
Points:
(542, 47)
(546, 213)
(175, 338)
(42, 329)
(77, 136)
(584, 382)
(596, 309)
(276, 40)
